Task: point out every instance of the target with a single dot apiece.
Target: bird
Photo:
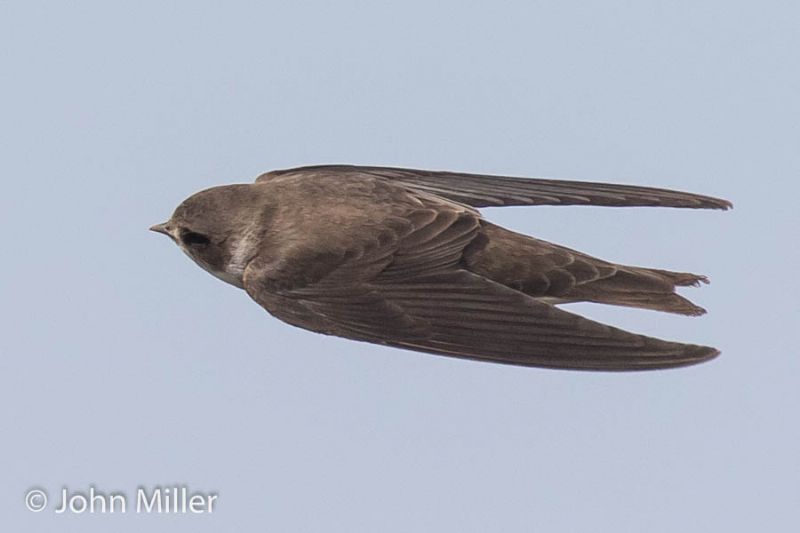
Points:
(403, 258)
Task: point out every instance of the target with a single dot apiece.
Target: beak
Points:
(161, 228)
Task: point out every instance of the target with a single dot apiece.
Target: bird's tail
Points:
(557, 274)
(644, 288)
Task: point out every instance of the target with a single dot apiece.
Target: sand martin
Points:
(403, 258)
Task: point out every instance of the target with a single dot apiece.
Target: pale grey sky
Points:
(123, 364)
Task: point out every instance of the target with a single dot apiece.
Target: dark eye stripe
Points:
(190, 238)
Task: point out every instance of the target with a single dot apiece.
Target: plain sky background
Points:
(123, 364)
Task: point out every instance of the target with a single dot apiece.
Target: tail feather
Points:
(645, 288)
(557, 274)
(682, 279)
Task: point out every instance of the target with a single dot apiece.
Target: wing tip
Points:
(693, 354)
(722, 205)
(701, 354)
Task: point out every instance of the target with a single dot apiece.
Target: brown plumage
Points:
(402, 258)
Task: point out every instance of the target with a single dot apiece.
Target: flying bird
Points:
(403, 258)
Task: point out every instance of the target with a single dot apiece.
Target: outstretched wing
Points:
(408, 290)
(487, 191)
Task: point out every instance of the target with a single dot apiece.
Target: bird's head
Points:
(215, 228)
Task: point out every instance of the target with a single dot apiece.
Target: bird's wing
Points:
(494, 191)
(408, 290)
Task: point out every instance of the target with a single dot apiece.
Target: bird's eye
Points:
(190, 238)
